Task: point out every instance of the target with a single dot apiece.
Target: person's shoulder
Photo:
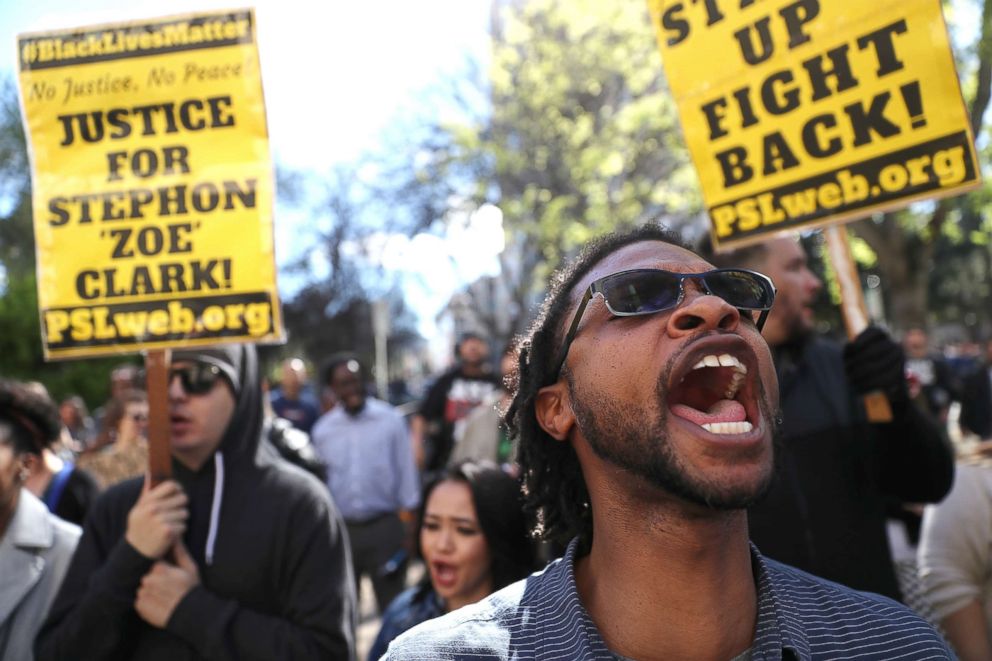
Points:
(83, 479)
(978, 374)
(402, 601)
(287, 494)
(122, 494)
(380, 410)
(833, 618)
(281, 478)
(64, 531)
(46, 530)
(411, 607)
(823, 346)
(65, 537)
(108, 513)
(443, 380)
(326, 421)
(478, 631)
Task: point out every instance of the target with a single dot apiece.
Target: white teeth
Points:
(728, 427)
(723, 360)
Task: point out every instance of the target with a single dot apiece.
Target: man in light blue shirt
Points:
(372, 476)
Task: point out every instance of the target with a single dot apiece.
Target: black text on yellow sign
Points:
(152, 184)
(803, 112)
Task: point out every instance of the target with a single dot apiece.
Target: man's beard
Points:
(642, 447)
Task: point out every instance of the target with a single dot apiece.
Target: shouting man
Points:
(645, 411)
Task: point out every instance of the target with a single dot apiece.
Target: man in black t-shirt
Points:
(449, 401)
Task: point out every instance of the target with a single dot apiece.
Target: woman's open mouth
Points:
(443, 574)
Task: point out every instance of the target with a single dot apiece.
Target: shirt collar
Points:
(369, 411)
(30, 528)
(779, 629)
(778, 633)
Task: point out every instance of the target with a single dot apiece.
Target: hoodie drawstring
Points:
(215, 506)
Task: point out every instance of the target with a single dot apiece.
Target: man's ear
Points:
(553, 409)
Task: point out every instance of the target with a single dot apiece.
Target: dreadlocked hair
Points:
(555, 491)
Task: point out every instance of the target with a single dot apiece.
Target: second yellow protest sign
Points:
(152, 184)
(804, 112)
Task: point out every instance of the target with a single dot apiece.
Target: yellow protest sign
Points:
(800, 113)
(152, 184)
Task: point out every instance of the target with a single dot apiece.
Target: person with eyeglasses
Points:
(645, 411)
(240, 555)
(837, 474)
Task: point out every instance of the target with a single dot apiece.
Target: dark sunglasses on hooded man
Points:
(196, 378)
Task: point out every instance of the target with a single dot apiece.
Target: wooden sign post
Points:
(157, 374)
(853, 308)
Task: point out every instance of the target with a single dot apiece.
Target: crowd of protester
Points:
(282, 500)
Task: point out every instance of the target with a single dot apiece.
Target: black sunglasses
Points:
(196, 378)
(646, 291)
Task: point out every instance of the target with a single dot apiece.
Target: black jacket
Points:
(276, 579)
(835, 474)
(976, 403)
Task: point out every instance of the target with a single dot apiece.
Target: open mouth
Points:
(178, 421)
(444, 574)
(716, 394)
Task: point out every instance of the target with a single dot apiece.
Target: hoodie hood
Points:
(239, 365)
(239, 446)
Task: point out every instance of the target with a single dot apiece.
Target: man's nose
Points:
(702, 311)
(176, 391)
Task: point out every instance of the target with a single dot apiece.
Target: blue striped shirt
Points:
(799, 617)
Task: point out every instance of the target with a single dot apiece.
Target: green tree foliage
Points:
(583, 135)
(580, 136)
(16, 232)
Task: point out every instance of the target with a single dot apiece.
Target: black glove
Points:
(873, 361)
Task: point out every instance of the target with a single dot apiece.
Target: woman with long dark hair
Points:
(473, 538)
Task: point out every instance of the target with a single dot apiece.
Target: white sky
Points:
(335, 74)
